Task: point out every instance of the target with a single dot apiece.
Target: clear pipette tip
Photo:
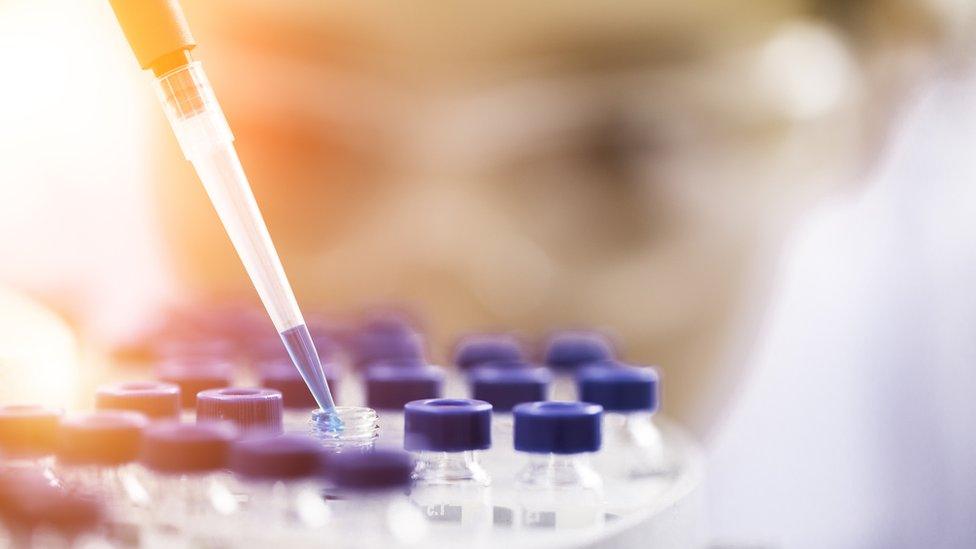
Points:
(300, 347)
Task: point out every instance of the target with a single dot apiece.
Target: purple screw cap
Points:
(280, 457)
(102, 438)
(390, 387)
(172, 447)
(282, 376)
(558, 427)
(570, 350)
(473, 350)
(504, 388)
(447, 425)
(195, 375)
(253, 410)
(28, 429)
(154, 399)
(381, 469)
(618, 387)
(32, 503)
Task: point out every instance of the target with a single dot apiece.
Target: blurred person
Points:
(632, 165)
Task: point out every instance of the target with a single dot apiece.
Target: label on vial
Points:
(539, 519)
(443, 513)
(503, 517)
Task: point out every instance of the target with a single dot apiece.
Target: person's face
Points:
(527, 169)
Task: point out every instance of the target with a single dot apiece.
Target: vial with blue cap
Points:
(634, 459)
(471, 351)
(368, 504)
(451, 486)
(558, 488)
(281, 480)
(568, 351)
(391, 385)
(504, 388)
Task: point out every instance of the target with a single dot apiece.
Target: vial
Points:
(477, 349)
(280, 475)
(389, 386)
(360, 428)
(37, 514)
(566, 352)
(97, 454)
(450, 485)
(384, 337)
(255, 411)
(557, 487)
(192, 502)
(296, 397)
(28, 437)
(634, 453)
(153, 399)
(370, 509)
(504, 388)
(193, 375)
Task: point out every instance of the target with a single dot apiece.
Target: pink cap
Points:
(28, 429)
(173, 447)
(154, 399)
(102, 438)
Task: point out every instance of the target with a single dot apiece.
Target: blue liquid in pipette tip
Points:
(303, 354)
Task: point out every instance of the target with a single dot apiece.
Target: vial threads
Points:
(358, 431)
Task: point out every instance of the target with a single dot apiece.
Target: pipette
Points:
(160, 37)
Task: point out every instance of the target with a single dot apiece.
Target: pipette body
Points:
(160, 37)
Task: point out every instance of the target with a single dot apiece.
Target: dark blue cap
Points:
(369, 347)
(381, 469)
(570, 350)
(391, 387)
(506, 387)
(557, 427)
(447, 425)
(473, 350)
(619, 388)
(282, 376)
(276, 457)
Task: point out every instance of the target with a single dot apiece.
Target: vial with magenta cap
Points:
(192, 501)
(28, 438)
(370, 510)
(450, 485)
(389, 387)
(153, 399)
(37, 514)
(557, 487)
(280, 475)
(255, 411)
(568, 351)
(97, 453)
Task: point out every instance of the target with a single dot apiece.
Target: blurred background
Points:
(771, 200)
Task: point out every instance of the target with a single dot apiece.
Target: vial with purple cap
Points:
(634, 453)
(475, 350)
(450, 485)
(193, 375)
(566, 352)
(504, 388)
(255, 411)
(153, 399)
(28, 438)
(192, 501)
(369, 506)
(97, 454)
(280, 475)
(390, 386)
(557, 487)
(298, 401)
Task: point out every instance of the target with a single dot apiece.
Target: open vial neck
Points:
(345, 428)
